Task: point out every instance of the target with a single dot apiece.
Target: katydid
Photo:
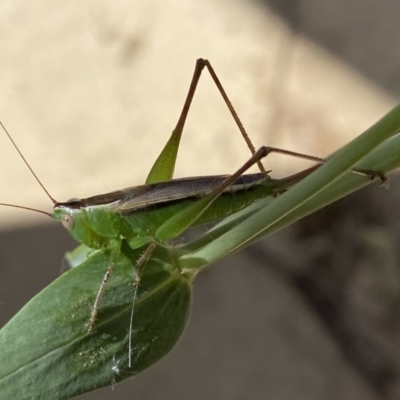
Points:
(163, 208)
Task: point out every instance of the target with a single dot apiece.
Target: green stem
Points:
(315, 191)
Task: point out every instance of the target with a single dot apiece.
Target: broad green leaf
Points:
(49, 353)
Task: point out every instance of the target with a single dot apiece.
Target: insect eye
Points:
(68, 222)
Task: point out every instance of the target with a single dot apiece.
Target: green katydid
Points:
(164, 208)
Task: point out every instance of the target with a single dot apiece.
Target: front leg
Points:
(99, 295)
(114, 250)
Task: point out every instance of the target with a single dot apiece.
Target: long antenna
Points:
(30, 169)
(26, 208)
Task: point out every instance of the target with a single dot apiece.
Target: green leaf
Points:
(46, 351)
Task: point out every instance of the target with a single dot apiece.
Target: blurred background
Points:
(90, 91)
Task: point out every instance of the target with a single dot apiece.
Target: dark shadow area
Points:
(344, 261)
(352, 281)
(30, 258)
(363, 33)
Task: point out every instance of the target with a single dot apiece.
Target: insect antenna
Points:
(26, 208)
(30, 169)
